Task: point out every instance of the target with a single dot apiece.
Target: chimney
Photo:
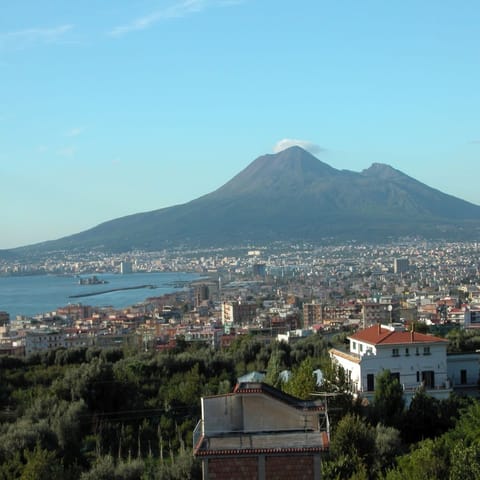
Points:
(379, 328)
(412, 338)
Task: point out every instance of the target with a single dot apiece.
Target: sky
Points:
(117, 107)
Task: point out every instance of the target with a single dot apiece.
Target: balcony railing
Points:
(197, 434)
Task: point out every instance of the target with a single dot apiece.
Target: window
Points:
(395, 352)
(426, 350)
(416, 351)
(407, 353)
(370, 382)
(428, 379)
(361, 347)
(463, 377)
(354, 346)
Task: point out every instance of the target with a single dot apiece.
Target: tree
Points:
(421, 420)
(352, 445)
(41, 465)
(388, 399)
(465, 461)
(302, 382)
(387, 446)
(428, 460)
(275, 366)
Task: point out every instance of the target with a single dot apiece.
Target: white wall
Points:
(465, 361)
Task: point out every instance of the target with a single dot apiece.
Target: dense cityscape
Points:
(280, 288)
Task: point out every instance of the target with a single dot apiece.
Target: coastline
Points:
(35, 295)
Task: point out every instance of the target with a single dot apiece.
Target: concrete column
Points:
(317, 467)
(261, 467)
(205, 468)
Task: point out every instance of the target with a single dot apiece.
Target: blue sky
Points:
(116, 107)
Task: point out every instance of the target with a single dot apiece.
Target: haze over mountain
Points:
(289, 196)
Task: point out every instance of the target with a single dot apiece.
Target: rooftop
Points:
(264, 442)
(384, 335)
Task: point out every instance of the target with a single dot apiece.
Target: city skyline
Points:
(116, 109)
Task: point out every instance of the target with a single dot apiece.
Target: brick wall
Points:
(276, 468)
(287, 468)
(241, 468)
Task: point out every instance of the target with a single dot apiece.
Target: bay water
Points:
(37, 294)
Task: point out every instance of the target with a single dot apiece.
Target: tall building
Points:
(259, 270)
(238, 313)
(401, 265)
(125, 267)
(312, 313)
(202, 293)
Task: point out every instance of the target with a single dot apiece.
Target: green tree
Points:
(426, 461)
(465, 461)
(12, 467)
(387, 446)
(41, 465)
(353, 438)
(276, 365)
(421, 420)
(388, 399)
(302, 382)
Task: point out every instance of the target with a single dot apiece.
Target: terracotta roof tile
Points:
(379, 335)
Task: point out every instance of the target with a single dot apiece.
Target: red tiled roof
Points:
(378, 335)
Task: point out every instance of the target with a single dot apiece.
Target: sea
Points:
(39, 294)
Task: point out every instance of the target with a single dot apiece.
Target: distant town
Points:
(281, 291)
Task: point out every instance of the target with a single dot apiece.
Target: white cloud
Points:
(33, 36)
(290, 142)
(67, 152)
(75, 132)
(179, 9)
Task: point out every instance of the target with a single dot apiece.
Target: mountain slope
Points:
(290, 195)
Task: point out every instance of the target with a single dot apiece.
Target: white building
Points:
(39, 341)
(294, 335)
(414, 358)
(463, 371)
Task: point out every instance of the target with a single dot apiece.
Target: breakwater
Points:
(110, 290)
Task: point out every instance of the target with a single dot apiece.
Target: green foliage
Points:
(421, 420)
(41, 465)
(12, 467)
(277, 363)
(467, 428)
(465, 461)
(302, 382)
(354, 437)
(388, 445)
(344, 467)
(388, 399)
(426, 461)
(313, 347)
(96, 413)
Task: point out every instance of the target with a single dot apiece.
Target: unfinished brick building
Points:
(259, 432)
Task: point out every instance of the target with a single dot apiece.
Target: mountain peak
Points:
(288, 169)
(383, 171)
(290, 196)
